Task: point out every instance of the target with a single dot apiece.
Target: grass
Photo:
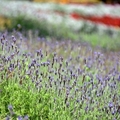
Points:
(105, 41)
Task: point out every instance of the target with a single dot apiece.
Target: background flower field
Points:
(66, 24)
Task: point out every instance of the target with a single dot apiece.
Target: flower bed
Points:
(109, 15)
(57, 21)
(106, 19)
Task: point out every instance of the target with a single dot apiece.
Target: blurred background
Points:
(79, 1)
(96, 22)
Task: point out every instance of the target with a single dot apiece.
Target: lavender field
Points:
(56, 78)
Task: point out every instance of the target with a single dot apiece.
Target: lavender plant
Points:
(57, 81)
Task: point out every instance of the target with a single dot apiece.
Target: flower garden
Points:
(57, 62)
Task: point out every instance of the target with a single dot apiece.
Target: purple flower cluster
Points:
(10, 108)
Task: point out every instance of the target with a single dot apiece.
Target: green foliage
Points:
(45, 29)
(106, 42)
(26, 100)
(22, 23)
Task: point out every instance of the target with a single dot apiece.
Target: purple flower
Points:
(113, 112)
(77, 100)
(10, 107)
(20, 118)
(26, 117)
(34, 61)
(119, 78)
(110, 104)
(67, 104)
(14, 40)
(99, 78)
(7, 118)
(21, 38)
(13, 37)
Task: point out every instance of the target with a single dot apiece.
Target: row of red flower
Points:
(106, 19)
